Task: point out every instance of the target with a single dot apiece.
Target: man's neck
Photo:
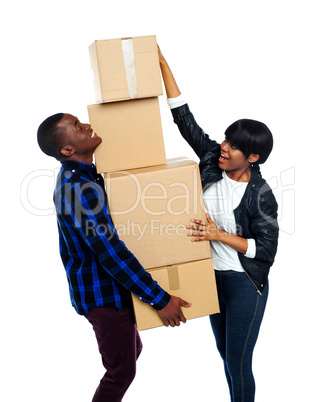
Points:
(82, 159)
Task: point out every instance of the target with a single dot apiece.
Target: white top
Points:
(221, 199)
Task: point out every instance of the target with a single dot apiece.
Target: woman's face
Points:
(232, 159)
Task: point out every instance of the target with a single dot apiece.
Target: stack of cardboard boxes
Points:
(151, 199)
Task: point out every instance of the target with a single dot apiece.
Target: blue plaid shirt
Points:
(100, 270)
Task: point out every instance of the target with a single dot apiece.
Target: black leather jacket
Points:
(256, 215)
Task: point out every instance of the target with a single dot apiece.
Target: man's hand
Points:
(172, 314)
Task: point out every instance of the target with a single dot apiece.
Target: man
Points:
(101, 271)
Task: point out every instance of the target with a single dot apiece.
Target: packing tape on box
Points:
(173, 277)
(128, 56)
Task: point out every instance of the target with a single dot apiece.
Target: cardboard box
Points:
(131, 134)
(125, 68)
(193, 282)
(151, 207)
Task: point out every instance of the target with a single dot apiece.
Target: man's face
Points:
(77, 136)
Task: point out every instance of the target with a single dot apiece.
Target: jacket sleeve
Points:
(205, 148)
(193, 133)
(264, 225)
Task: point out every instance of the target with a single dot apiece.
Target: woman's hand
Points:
(171, 86)
(207, 230)
(204, 230)
(161, 57)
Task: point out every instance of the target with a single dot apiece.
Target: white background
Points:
(232, 59)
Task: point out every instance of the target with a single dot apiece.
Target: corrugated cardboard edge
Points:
(180, 161)
(124, 38)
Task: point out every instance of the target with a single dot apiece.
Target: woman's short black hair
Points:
(250, 137)
(49, 136)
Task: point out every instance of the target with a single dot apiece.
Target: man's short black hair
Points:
(250, 137)
(49, 136)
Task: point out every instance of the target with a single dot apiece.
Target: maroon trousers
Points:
(120, 345)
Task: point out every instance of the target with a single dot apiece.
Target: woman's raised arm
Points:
(172, 89)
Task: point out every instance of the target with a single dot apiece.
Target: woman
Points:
(242, 228)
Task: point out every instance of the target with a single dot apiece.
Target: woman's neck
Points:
(243, 175)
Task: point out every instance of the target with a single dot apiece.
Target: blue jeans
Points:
(236, 329)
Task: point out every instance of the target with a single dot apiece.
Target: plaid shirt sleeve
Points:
(86, 211)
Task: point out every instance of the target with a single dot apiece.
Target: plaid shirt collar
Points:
(73, 165)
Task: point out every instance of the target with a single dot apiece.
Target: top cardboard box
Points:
(125, 68)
